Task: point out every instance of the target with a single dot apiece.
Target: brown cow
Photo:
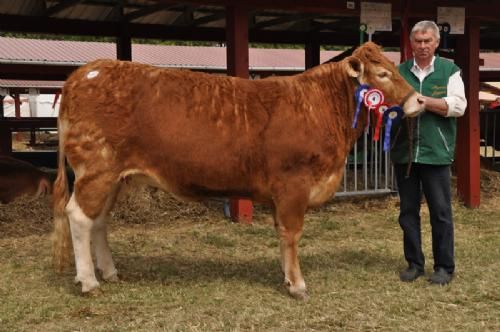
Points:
(280, 141)
(18, 178)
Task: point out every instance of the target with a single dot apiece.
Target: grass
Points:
(186, 268)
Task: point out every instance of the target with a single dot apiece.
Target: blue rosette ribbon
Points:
(359, 97)
(392, 115)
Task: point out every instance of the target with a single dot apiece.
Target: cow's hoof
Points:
(94, 292)
(301, 295)
(112, 278)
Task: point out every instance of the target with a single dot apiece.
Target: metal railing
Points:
(367, 169)
(490, 137)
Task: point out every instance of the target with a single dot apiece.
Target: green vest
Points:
(433, 135)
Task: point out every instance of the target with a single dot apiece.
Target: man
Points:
(422, 162)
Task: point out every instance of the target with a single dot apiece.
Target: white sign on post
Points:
(454, 16)
(377, 16)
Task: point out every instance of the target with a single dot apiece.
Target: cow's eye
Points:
(384, 74)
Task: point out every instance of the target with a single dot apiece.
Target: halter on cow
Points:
(281, 141)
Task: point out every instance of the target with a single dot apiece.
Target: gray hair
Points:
(423, 26)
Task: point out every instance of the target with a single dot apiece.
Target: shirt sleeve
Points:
(456, 96)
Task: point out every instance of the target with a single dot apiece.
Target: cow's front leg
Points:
(81, 230)
(289, 221)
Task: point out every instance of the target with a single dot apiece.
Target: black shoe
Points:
(410, 274)
(440, 277)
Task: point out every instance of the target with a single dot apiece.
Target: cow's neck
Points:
(338, 89)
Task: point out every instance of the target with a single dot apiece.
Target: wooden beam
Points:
(158, 31)
(42, 90)
(483, 9)
(185, 17)
(147, 11)
(40, 72)
(207, 19)
(28, 123)
(489, 76)
(283, 19)
(467, 155)
(60, 7)
(51, 25)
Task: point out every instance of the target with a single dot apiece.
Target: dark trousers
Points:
(434, 181)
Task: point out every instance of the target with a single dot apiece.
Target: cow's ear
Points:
(354, 67)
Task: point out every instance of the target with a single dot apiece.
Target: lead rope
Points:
(411, 126)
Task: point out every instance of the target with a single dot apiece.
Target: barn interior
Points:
(237, 25)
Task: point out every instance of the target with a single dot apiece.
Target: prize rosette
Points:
(391, 116)
(379, 115)
(359, 96)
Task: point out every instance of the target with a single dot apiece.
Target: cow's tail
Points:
(62, 246)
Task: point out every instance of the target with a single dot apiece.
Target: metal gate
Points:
(368, 169)
(490, 137)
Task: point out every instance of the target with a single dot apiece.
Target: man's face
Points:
(424, 44)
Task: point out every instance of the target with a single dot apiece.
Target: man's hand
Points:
(435, 105)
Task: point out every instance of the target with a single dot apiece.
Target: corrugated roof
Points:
(17, 50)
(53, 51)
(76, 52)
(30, 84)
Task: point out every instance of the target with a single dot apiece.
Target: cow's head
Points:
(369, 66)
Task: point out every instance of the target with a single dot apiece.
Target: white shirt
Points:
(455, 94)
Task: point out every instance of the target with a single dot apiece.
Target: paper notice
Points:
(454, 16)
(377, 16)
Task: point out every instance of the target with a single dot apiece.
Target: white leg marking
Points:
(81, 227)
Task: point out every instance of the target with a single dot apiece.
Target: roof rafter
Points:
(147, 11)
(283, 19)
(60, 7)
(208, 18)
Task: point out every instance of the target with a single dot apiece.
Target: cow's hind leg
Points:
(81, 232)
(87, 211)
(104, 260)
(289, 220)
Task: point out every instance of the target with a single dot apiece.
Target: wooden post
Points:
(237, 41)
(17, 113)
(123, 41)
(5, 134)
(2, 113)
(17, 105)
(467, 159)
(312, 49)
(124, 46)
(237, 65)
